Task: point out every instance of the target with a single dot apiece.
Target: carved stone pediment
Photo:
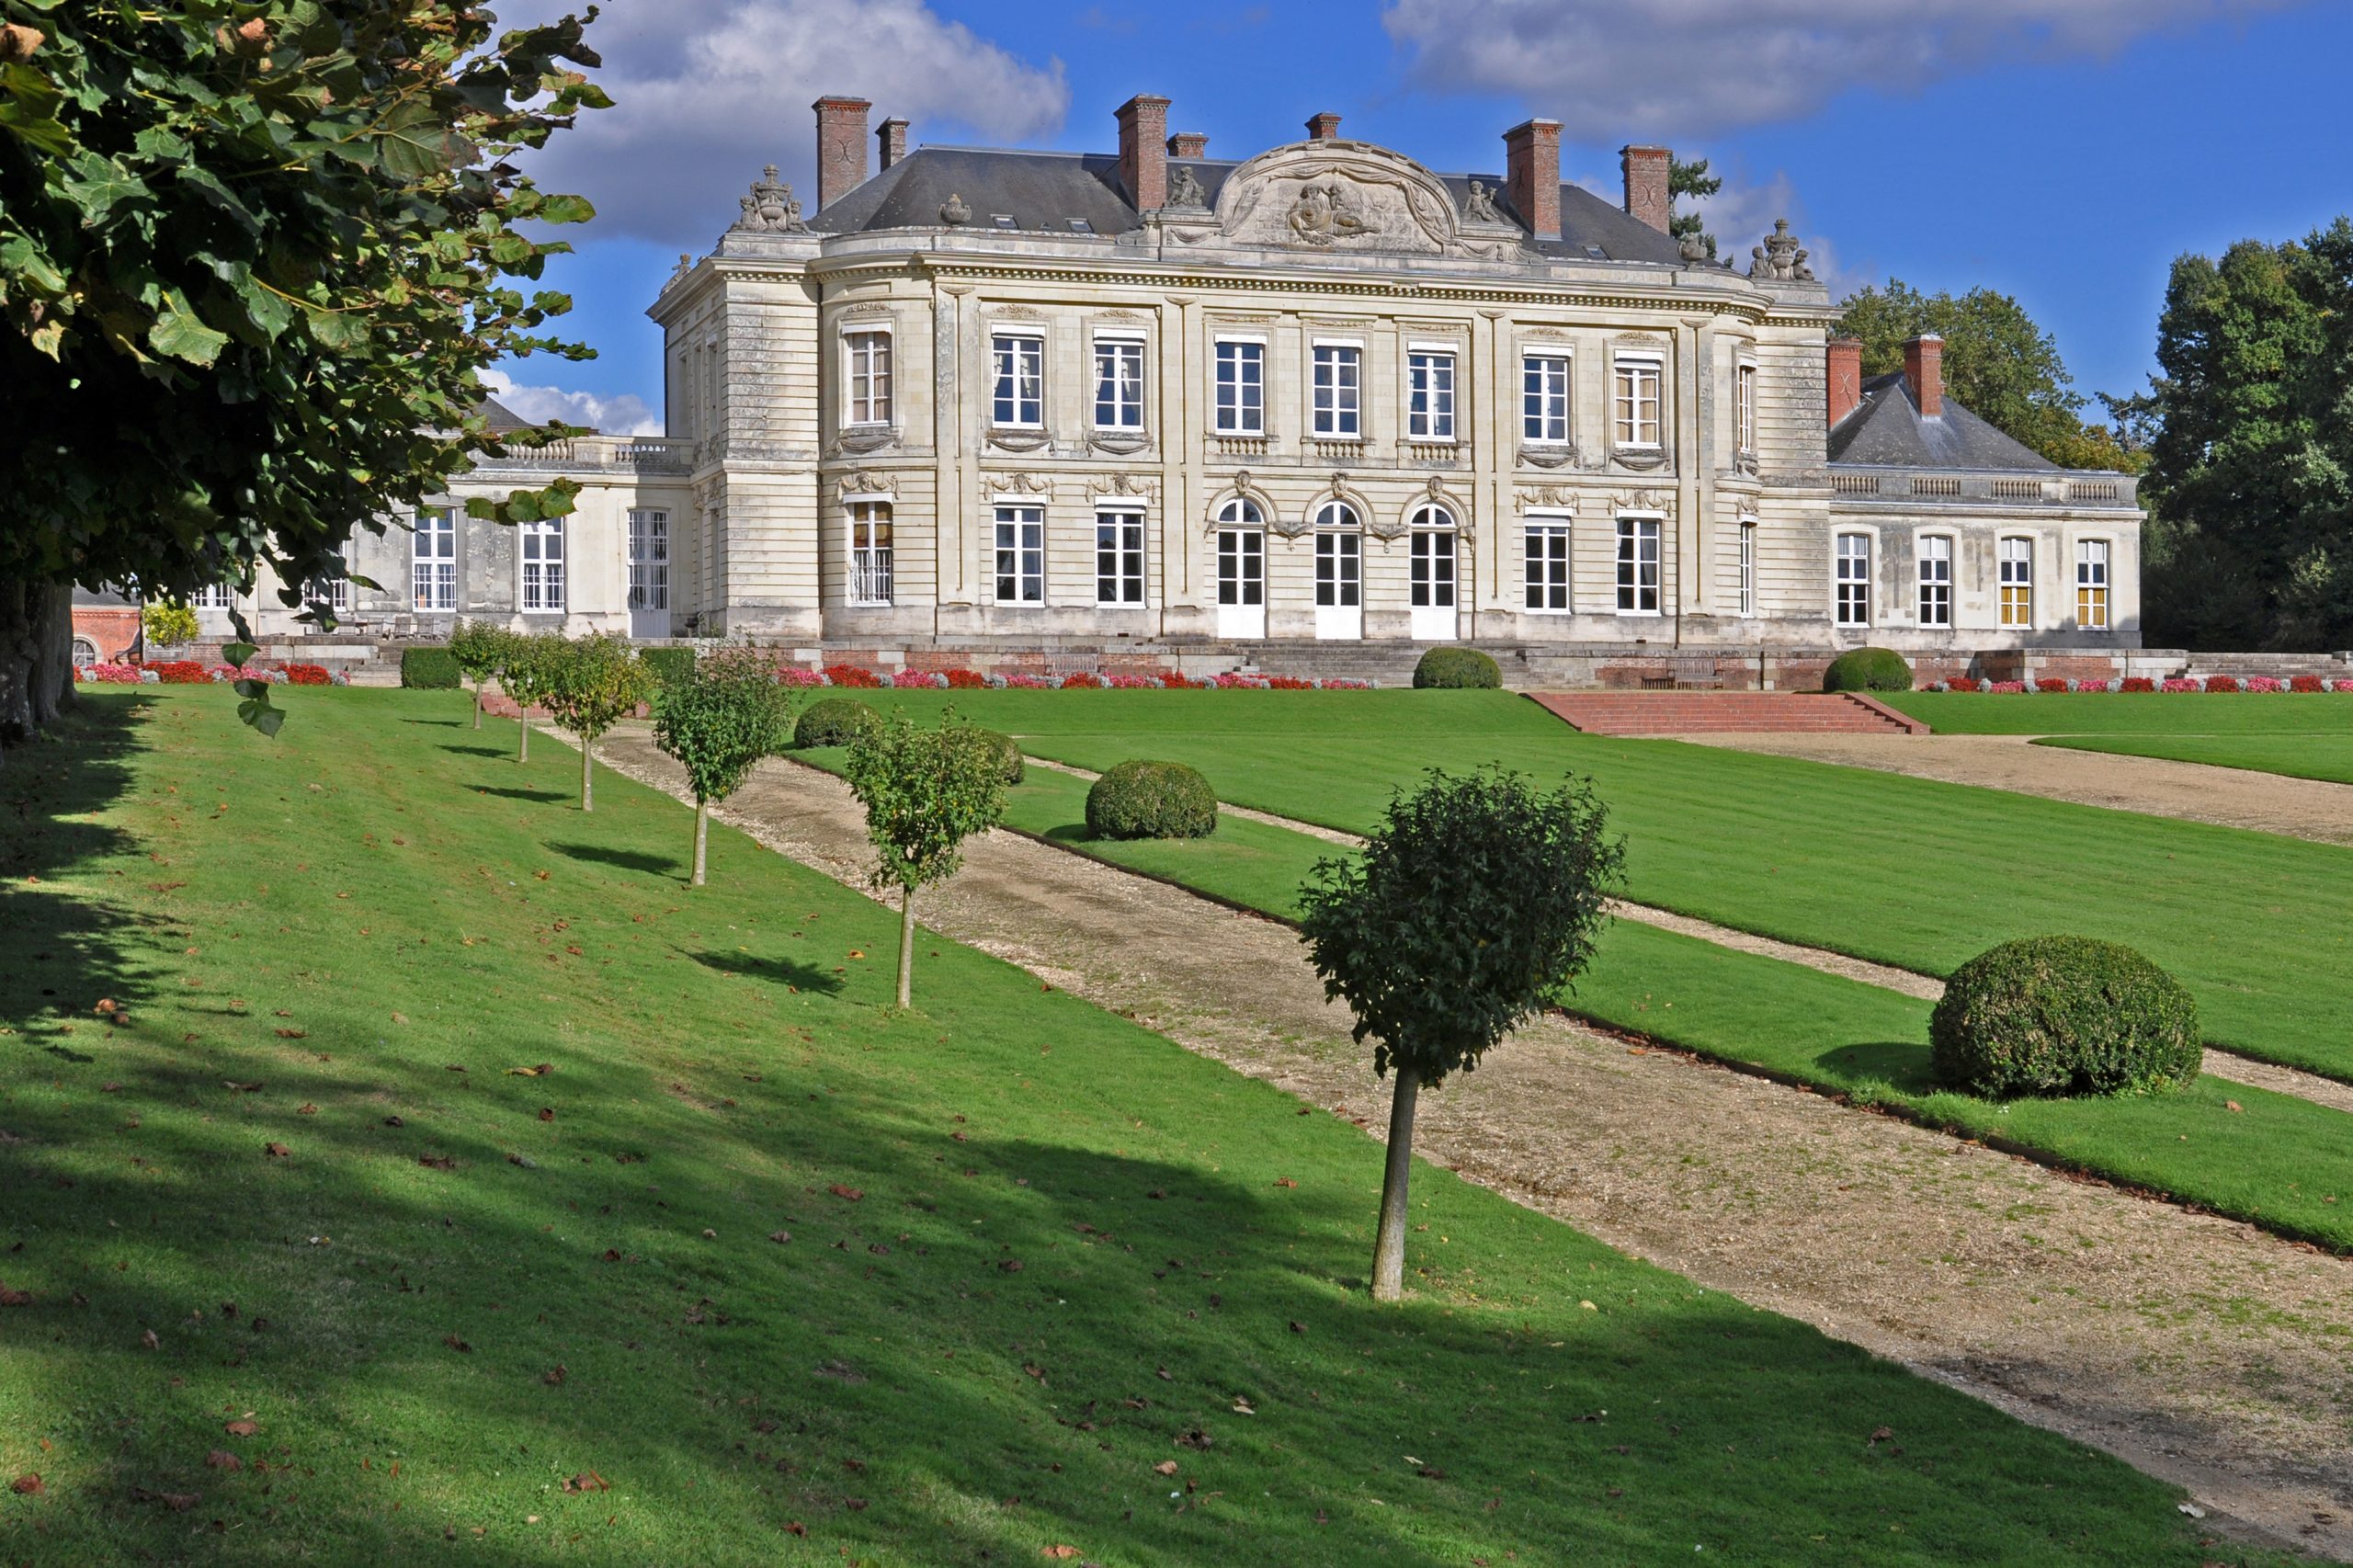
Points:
(1568, 455)
(1545, 498)
(1344, 198)
(862, 440)
(1017, 440)
(1119, 442)
(1659, 501)
(864, 482)
(1019, 484)
(1114, 486)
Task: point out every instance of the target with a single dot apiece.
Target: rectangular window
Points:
(542, 545)
(1429, 396)
(334, 591)
(1431, 569)
(2091, 584)
(1339, 571)
(1854, 580)
(1747, 569)
(1636, 403)
(1021, 555)
(649, 560)
(1935, 551)
(1548, 566)
(1544, 398)
(1119, 385)
(1638, 565)
(220, 595)
(870, 553)
(2018, 582)
(870, 377)
(1241, 388)
(1744, 408)
(433, 560)
(1339, 385)
(1119, 558)
(1020, 398)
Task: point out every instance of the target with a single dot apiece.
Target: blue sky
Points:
(2062, 152)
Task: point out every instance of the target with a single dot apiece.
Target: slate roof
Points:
(502, 418)
(1886, 431)
(1043, 192)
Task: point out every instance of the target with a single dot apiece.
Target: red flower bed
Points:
(2306, 683)
(852, 674)
(966, 680)
(308, 675)
(1176, 681)
(2222, 683)
(1082, 682)
(2139, 683)
(1289, 683)
(2051, 683)
(181, 672)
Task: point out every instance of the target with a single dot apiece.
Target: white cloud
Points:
(1637, 68)
(707, 91)
(627, 415)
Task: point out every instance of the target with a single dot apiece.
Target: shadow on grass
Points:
(508, 792)
(624, 859)
(478, 750)
(435, 723)
(775, 971)
(1902, 1068)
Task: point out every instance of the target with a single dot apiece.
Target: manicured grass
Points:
(2130, 712)
(2328, 758)
(1907, 871)
(1032, 1245)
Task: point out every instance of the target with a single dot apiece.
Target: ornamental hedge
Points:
(1010, 767)
(835, 722)
(1152, 799)
(2063, 1016)
(1868, 670)
(430, 668)
(1457, 669)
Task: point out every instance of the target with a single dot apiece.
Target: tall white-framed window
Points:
(1019, 398)
(1431, 559)
(1635, 404)
(1854, 580)
(1339, 557)
(433, 559)
(541, 543)
(1119, 383)
(217, 595)
(1744, 408)
(1933, 555)
(866, 380)
(1119, 558)
(1544, 399)
(1241, 555)
(649, 560)
(1638, 566)
(335, 592)
(872, 563)
(1241, 401)
(1429, 394)
(2091, 584)
(1747, 567)
(1021, 555)
(1339, 392)
(1548, 563)
(2016, 554)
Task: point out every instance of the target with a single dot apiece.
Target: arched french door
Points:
(1432, 575)
(1339, 573)
(1241, 570)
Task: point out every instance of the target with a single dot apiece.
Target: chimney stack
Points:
(841, 147)
(1845, 383)
(893, 137)
(1532, 175)
(1325, 127)
(1143, 150)
(1188, 145)
(1647, 199)
(1924, 367)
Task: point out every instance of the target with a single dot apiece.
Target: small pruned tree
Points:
(1477, 899)
(167, 624)
(719, 720)
(924, 792)
(479, 646)
(593, 684)
(527, 665)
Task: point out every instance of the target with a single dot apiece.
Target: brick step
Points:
(1673, 714)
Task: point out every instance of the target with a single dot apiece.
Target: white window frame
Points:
(1743, 407)
(1429, 392)
(540, 568)
(2014, 569)
(1547, 378)
(1637, 531)
(433, 560)
(1238, 517)
(1021, 554)
(1433, 576)
(649, 580)
(1337, 378)
(1747, 567)
(1123, 586)
(213, 596)
(1339, 556)
(868, 361)
(1934, 595)
(1118, 404)
(871, 534)
(1629, 375)
(1548, 570)
(1850, 586)
(1017, 378)
(2095, 575)
(1238, 403)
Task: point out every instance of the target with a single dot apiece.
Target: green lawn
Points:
(1034, 1249)
(2328, 758)
(1907, 871)
(2129, 713)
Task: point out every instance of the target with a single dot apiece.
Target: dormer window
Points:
(1001, 219)
(1081, 226)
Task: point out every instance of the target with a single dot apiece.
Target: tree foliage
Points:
(719, 718)
(527, 673)
(167, 624)
(1691, 179)
(924, 792)
(478, 646)
(591, 684)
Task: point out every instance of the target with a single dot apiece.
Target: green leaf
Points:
(238, 653)
(338, 332)
(99, 188)
(416, 142)
(257, 712)
(180, 335)
(567, 210)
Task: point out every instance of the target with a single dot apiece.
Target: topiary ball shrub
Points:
(1457, 669)
(835, 722)
(1868, 670)
(1007, 752)
(1152, 799)
(2063, 1016)
(430, 669)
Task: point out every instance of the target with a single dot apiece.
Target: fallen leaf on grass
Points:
(306, 1110)
(554, 1378)
(1242, 1408)
(1011, 1264)
(275, 1151)
(14, 1298)
(1882, 1434)
(843, 1370)
(394, 1122)
(438, 1162)
(178, 1502)
(293, 1034)
(150, 1341)
(26, 1485)
(779, 1237)
(795, 1527)
(221, 1459)
(1285, 1181)
(1165, 1467)
(454, 1342)
(587, 1481)
(848, 1194)
(251, 1088)
(1194, 1438)
(242, 1428)
(547, 1113)
(1058, 1551)
(541, 1070)
(2232, 1105)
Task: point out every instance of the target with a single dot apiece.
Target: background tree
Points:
(1691, 179)
(592, 684)
(253, 257)
(478, 646)
(1474, 903)
(924, 792)
(1997, 363)
(719, 720)
(167, 625)
(527, 673)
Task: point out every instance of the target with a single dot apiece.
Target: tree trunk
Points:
(587, 776)
(477, 705)
(1389, 1243)
(702, 838)
(523, 746)
(36, 657)
(906, 947)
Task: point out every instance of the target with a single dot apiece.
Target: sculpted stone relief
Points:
(1354, 198)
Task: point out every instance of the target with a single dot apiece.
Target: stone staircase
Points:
(1725, 712)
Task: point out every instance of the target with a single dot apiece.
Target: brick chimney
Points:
(1845, 383)
(841, 147)
(1325, 127)
(1188, 145)
(1532, 175)
(1646, 194)
(1143, 150)
(893, 138)
(1924, 367)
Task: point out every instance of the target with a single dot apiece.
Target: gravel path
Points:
(2202, 1350)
